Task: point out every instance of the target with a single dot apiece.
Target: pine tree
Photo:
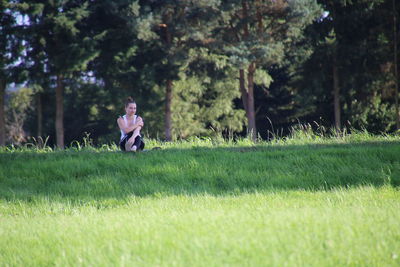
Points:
(176, 26)
(260, 33)
(10, 52)
(59, 28)
(204, 97)
(358, 34)
(395, 62)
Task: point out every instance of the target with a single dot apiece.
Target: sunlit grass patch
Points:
(204, 202)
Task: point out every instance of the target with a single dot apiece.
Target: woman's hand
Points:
(139, 122)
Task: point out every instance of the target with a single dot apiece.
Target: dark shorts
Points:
(138, 142)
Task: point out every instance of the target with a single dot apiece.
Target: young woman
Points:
(130, 125)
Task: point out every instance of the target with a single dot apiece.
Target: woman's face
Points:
(131, 109)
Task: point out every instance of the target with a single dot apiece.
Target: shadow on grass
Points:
(96, 176)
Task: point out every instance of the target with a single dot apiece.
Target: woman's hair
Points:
(129, 100)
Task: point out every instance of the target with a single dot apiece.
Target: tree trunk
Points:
(251, 117)
(2, 113)
(336, 93)
(396, 73)
(39, 117)
(249, 107)
(59, 112)
(243, 89)
(245, 14)
(168, 101)
(168, 91)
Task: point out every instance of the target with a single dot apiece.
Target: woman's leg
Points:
(137, 144)
(129, 145)
(127, 142)
(141, 146)
(122, 144)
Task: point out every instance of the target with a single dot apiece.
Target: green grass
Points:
(303, 201)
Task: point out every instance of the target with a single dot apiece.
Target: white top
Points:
(126, 123)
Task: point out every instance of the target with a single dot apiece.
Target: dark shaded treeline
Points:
(196, 67)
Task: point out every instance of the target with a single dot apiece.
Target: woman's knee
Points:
(131, 140)
(128, 145)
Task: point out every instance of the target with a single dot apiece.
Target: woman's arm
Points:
(127, 129)
(136, 132)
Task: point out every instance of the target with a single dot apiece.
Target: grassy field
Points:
(294, 202)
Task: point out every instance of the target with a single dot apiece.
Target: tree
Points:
(258, 34)
(175, 26)
(204, 97)
(18, 108)
(10, 49)
(395, 63)
(34, 63)
(67, 44)
(352, 64)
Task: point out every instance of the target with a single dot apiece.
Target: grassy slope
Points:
(325, 204)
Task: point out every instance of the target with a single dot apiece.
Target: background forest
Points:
(196, 67)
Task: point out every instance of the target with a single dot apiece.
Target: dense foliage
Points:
(196, 68)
